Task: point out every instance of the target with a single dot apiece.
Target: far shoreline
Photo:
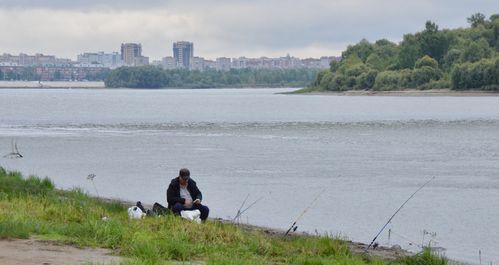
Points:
(401, 93)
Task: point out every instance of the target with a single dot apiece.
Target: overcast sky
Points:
(232, 28)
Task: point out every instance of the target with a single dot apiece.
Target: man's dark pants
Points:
(178, 207)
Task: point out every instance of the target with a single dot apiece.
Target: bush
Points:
(326, 81)
(440, 84)
(425, 74)
(406, 79)
(482, 74)
(387, 80)
(426, 61)
(319, 77)
(338, 83)
(14, 183)
(366, 80)
(426, 257)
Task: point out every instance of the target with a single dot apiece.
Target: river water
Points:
(368, 153)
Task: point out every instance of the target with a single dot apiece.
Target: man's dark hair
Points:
(184, 173)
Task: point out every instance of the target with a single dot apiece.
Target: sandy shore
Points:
(36, 252)
(408, 93)
(51, 84)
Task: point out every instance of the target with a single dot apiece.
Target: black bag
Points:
(157, 209)
(160, 209)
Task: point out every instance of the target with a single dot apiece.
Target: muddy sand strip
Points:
(36, 252)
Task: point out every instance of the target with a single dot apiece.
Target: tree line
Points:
(463, 58)
(156, 77)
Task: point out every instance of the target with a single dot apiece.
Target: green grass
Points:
(33, 207)
(305, 90)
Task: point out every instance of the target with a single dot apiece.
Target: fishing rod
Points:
(293, 226)
(240, 207)
(398, 210)
(251, 205)
(240, 212)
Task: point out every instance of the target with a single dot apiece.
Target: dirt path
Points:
(34, 252)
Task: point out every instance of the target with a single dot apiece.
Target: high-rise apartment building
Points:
(183, 52)
(130, 52)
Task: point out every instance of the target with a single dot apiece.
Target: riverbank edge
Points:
(357, 248)
(398, 93)
(30, 188)
(136, 88)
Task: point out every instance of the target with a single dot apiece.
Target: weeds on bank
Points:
(32, 206)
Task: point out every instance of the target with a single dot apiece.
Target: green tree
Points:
(476, 51)
(452, 57)
(155, 77)
(375, 61)
(410, 51)
(362, 50)
(476, 19)
(432, 58)
(433, 42)
(334, 65)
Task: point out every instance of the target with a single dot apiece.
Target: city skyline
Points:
(224, 28)
(131, 54)
(182, 58)
(117, 50)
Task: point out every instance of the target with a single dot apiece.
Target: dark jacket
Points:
(173, 192)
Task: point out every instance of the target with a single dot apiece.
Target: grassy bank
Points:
(33, 207)
(400, 92)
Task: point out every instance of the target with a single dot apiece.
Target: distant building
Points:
(45, 60)
(131, 54)
(33, 60)
(183, 52)
(239, 63)
(223, 64)
(326, 60)
(168, 63)
(100, 59)
(26, 60)
(210, 64)
(141, 61)
(156, 63)
(197, 63)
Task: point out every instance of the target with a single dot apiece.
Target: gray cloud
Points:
(221, 27)
(82, 4)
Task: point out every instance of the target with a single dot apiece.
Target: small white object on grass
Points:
(135, 213)
(191, 215)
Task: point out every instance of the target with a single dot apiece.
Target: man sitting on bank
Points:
(183, 194)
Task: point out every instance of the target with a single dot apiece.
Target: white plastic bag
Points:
(135, 213)
(191, 215)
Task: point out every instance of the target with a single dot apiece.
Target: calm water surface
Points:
(370, 153)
